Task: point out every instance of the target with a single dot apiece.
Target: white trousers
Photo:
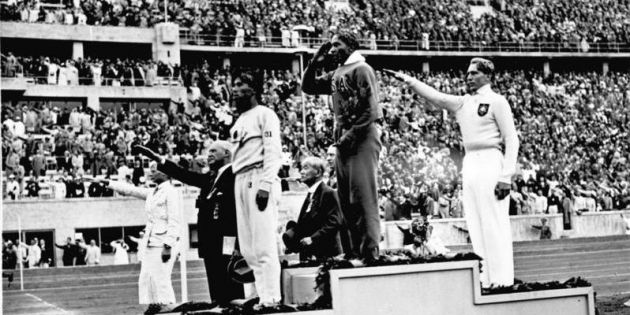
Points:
(487, 217)
(257, 233)
(154, 285)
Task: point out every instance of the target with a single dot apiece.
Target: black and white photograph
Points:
(315, 157)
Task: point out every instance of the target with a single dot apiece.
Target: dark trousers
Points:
(222, 288)
(67, 260)
(356, 168)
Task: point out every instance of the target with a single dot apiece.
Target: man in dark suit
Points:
(65, 163)
(316, 232)
(216, 219)
(77, 186)
(69, 252)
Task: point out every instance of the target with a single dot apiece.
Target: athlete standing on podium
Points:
(486, 122)
(256, 161)
(354, 90)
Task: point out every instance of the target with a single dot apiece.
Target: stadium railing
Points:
(188, 37)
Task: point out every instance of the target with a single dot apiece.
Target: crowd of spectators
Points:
(38, 254)
(35, 254)
(577, 24)
(90, 71)
(573, 23)
(573, 129)
(83, 12)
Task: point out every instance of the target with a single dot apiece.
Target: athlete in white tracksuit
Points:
(256, 161)
(486, 122)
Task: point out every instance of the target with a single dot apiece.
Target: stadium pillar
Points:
(546, 68)
(94, 102)
(605, 67)
(166, 47)
(77, 50)
(426, 67)
(19, 219)
(295, 65)
(227, 62)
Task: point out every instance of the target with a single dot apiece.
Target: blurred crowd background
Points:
(573, 129)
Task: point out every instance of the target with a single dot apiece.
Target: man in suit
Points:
(316, 232)
(69, 252)
(65, 163)
(216, 219)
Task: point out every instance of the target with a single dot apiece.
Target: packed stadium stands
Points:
(533, 25)
(573, 130)
(46, 70)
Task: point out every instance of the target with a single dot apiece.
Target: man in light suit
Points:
(316, 232)
(161, 240)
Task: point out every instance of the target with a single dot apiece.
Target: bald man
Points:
(216, 219)
(491, 143)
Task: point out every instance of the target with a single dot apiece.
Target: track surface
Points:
(604, 261)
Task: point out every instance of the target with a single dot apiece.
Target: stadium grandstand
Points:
(85, 80)
(504, 25)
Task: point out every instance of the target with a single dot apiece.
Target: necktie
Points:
(307, 203)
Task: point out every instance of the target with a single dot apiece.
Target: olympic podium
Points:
(427, 289)
(432, 288)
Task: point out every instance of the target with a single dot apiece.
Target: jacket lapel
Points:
(218, 180)
(303, 209)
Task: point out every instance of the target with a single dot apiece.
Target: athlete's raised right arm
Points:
(435, 97)
(311, 83)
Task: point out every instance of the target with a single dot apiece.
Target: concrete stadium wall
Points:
(93, 94)
(599, 223)
(163, 37)
(64, 216)
(585, 225)
(131, 92)
(451, 231)
(83, 33)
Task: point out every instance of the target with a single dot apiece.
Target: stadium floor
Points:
(604, 261)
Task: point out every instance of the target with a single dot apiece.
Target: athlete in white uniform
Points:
(486, 122)
(256, 161)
